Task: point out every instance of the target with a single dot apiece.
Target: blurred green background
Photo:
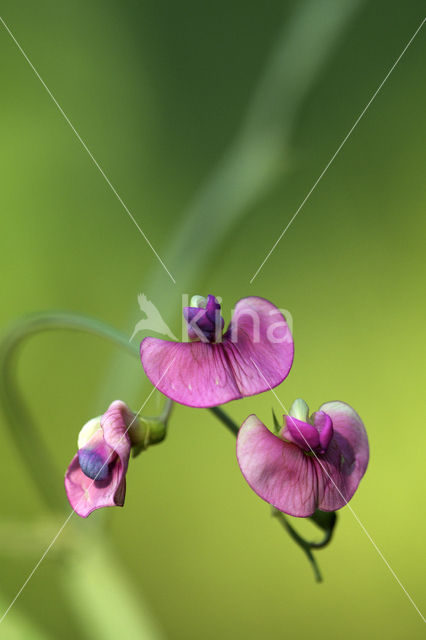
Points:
(213, 121)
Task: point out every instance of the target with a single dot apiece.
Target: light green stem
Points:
(27, 439)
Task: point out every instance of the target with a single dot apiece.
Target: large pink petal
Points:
(86, 495)
(192, 373)
(258, 345)
(279, 472)
(256, 354)
(346, 459)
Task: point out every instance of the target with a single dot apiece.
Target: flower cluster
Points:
(310, 463)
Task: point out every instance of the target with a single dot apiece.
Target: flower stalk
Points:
(324, 520)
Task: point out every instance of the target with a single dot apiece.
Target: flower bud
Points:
(299, 410)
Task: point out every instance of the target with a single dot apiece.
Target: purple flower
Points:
(311, 464)
(96, 476)
(253, 355)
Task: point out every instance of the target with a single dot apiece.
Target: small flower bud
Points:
(299, 410)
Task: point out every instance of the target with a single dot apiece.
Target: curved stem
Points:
(21, 426)
(306, 546)
(225, 419)
(324, 542)
(326, 521)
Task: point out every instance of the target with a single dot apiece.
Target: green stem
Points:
(324, 542)
(305, 546)
(30, 445)
(322, 520)
(225, 419)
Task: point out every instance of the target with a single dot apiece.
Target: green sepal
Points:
(277, 425)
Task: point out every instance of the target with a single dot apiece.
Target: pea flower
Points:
(253, 355)
(96, 476)
(313, 463)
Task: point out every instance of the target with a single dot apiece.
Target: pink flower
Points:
(96, 476)
(253, 355)
(311, 464)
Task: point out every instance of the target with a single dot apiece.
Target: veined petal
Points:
(255, 355)
(259, 346)
(278, 471)
(192, 373)
(346, 458)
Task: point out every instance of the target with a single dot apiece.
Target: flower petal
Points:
(115, 423)
(296, 483)
(256, 354)
(86, 495)
(259, 346)
(324, 424)
(346, 459)
(278, 471)
(301, 433)
(192, 373)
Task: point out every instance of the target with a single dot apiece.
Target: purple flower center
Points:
(205, 322)
(93, 465)
(311, 438)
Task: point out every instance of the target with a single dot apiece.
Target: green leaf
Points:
(104, 599)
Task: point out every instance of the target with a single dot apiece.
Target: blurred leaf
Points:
(103, 597)
(16, 626)
(29, 537)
